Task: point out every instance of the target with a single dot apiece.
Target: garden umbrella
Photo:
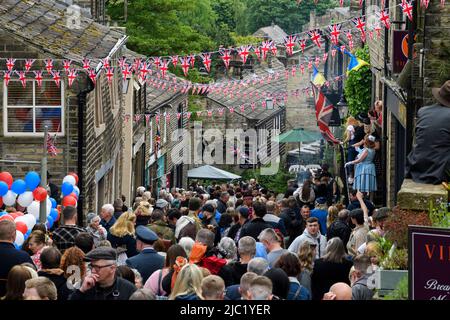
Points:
(298, 135)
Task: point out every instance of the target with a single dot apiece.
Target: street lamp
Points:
(342, 107)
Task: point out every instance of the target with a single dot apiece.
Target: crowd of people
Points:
(220, 241)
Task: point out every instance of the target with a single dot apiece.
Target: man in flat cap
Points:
(148, 260)
(102, 283)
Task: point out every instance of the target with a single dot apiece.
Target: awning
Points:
(210, 172)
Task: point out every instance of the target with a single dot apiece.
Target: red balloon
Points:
(22, 227)
(7, 178)
(69, 201)
(6, 217)
(19, 213)
(40, 194)
(74, 175)
(73, 194)
(1, 201)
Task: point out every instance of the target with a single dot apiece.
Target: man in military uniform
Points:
(103, 283)
(148, 260)
(160, 226)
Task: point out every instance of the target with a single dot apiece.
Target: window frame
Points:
(6, 133)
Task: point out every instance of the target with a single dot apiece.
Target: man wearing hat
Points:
(148, 260)
(430, 158)
(103, 283)
(162, 204)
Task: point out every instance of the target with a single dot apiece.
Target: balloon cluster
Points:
(70, 190)
(29, 194)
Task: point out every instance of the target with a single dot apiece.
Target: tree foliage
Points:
(359, 85)
(160, 27)
(285, 13)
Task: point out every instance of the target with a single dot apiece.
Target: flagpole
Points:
(43, 204)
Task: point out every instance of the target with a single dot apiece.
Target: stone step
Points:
(417, 196)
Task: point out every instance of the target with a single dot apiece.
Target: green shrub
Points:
(358, 85)
(401, 292)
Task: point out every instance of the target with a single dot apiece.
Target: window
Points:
(28, 110)
(98, 108)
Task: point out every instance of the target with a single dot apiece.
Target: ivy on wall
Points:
(358, 87)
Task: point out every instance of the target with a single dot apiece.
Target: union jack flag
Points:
(266, 45)
(244, 51)
(257, 51)
(302, 43)
(335, 32)
(315, 36)
(289, 42)
(324, 110)
(206, 58)
(51, 145)
(360, 25)
(226, 57)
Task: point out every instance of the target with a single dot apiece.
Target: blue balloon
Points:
(26, 235)
(3, 213)
(17, 246)
(19, 186)
(54, 204)
(50, 222)
(76, 192)
(66, 188)
(32, 180)
(3, 188)
(54, 214)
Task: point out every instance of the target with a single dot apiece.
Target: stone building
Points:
(254, 106)
(404, 82)
(144, 103)
(86, 118)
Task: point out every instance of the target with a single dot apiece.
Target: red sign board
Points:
(429, 263)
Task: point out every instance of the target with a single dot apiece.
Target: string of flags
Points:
(139, 67)
(260, 50)
(275, 97)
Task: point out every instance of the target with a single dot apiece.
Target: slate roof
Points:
(43, 23)
(273, 32)
(155, 97)
(274, 87)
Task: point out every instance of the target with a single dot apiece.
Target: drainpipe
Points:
(410, 108)
(384, 138)
(82, 95)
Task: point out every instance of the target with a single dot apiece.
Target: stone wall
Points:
(31, 148)
(103, 146)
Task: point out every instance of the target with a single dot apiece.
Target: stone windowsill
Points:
(417, 196)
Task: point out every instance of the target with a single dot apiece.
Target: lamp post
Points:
(342, 107)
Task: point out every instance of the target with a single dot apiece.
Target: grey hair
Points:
(108, 207)
(269, 235)
(187, 243)
(247, 246)
(228, 245)
(140, 190)
(258, 266)
(212, 202)
(143, 294)
(206, 237)
(335, 251)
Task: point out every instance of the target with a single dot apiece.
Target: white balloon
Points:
(25, 199)
(30, 221)
(70, 179)
(75, 188)
(49, 206)
(9, 198)
(33, 208)
(19, 238)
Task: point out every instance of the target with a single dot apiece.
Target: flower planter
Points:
(387, 280)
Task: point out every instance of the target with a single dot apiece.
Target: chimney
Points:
(312, 19)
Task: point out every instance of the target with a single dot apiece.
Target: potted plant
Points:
(393, 262)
